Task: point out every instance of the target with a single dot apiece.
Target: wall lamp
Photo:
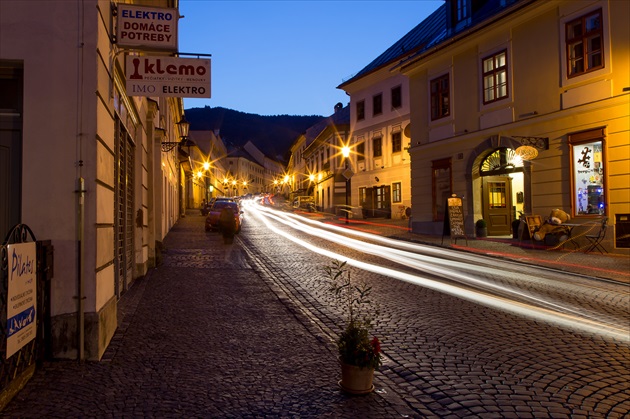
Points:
(184, 127)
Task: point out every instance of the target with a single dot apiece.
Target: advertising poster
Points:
(21, 296)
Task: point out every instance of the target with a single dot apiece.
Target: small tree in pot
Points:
(359, 354)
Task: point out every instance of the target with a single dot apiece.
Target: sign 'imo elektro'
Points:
(167, 76)
(147, 27)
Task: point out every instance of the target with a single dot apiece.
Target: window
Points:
(495, 77)
(587, 162)
(397, 192)
(362, 196)
(584, 44)
(377, 146)
(440, 104)
(360, 110)
(377, 104)
(396, 97)
(360, 151)
(396, 142)
(442, 186)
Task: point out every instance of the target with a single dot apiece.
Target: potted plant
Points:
(359, 352)
(481, 228)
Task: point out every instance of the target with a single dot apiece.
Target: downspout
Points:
(80, 189)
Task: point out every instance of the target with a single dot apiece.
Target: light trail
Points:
(449, 269)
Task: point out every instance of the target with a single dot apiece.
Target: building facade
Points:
(523, 106)
(380, 139)
(83, 161)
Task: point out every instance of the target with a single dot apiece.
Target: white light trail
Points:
(449, 269)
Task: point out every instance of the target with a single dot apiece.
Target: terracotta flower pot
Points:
(356, 380)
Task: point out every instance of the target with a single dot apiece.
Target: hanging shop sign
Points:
(21, 296)
(167, 77)
(147, 27)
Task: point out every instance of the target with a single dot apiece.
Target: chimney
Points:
(338, 107)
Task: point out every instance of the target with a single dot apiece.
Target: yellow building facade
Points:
(525, 112)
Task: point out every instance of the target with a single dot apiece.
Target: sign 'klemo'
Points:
(147, 27)
(167, 76)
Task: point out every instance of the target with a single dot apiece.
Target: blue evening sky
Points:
(289, 56)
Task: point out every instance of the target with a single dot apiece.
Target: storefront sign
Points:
(168, 77)
(21, 296)
(147, 27)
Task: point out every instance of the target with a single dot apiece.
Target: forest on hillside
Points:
(273, 135)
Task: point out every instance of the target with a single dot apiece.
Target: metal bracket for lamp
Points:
(184, 126)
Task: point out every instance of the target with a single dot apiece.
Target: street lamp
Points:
(184, 127)
(345, 152)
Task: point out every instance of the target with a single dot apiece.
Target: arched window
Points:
(500, 162)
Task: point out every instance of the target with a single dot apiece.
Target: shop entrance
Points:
(501, 190)
(497, 204)
(377, 202)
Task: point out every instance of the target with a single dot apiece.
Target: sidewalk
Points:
(202, 335)
(594, 264)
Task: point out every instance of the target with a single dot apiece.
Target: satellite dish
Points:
(407, 131)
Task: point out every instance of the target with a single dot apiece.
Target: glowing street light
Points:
(345, 152)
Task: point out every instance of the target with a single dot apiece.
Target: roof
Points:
(340, 117)
(430, 33)
(415, 40)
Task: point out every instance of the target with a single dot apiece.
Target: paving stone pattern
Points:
(248, 329)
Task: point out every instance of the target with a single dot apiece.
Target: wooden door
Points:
(497, 205)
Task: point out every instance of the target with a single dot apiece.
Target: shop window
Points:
(587, 172)
(441, 186)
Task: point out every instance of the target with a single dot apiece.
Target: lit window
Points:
(584, 44)
(397, 192)
(495, 85)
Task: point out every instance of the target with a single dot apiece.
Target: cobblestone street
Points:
(246, 330)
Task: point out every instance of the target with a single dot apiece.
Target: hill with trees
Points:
(273, 135)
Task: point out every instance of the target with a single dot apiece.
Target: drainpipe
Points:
(80, 296)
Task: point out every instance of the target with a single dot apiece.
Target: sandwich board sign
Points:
(21, 296)
(454, 219)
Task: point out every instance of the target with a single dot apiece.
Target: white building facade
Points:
(86, 167)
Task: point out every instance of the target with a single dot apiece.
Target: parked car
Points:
(212, 220)
(205, 208)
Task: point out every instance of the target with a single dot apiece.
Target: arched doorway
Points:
(501, 173)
